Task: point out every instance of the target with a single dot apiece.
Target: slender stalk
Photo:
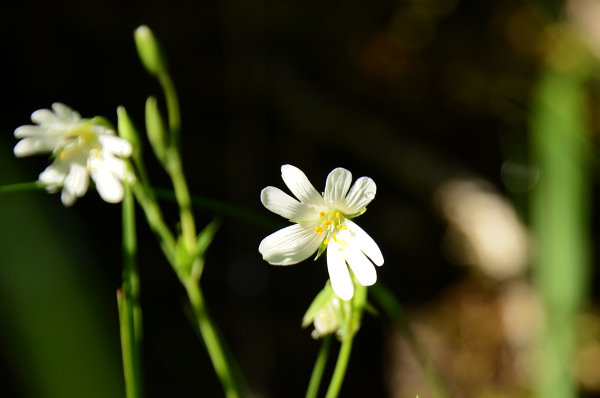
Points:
(182, 194)
(317, 373)
(210, 337)
(22, 186)
(392, 307)
(155, 221)
(130, 311)
(224, 208)
(172, 106)
(341, 364)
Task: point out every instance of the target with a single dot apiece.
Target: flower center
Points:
(331, 223)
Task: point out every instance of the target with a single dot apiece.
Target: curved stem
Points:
(340, 366)
(392, 307)
(317, 373)
(211, 339)
(172, 106)
(22, 186)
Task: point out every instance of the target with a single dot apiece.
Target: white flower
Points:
(323, 223)
(81, 148)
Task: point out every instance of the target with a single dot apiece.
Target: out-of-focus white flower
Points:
(80, 148)
(322, 222)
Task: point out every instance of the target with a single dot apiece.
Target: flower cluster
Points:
(81, 148)
(323, 223)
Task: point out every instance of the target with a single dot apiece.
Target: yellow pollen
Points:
(63, 155)
(319, 229)
(341, 227)
(338, 214)
(328, 222)
(326, 241)
(322, 214)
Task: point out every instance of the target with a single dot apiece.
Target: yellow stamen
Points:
(338, 214)
(342, 227)
(328, 222)
(322, 214)
(63, 155)
(326, 241)
(319, 229)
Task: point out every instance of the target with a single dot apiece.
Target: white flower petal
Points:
(284, 205)
(341, 282)
(300, 186)
(338, 183)
(67, 197)
(65, 113)
(290, 245)
(29, 131)
(109, 187)
(364, 242)
(77, 179)
(115, 165)
(29, 146)
(360, 195)
(115, 145)
(363, 269)
(44, 116)
(54, 175)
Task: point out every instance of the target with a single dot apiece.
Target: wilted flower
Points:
(81, 147)
(323, 223)
(329, 315)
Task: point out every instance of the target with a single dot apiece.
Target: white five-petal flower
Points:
(322, 222)
(81, 148)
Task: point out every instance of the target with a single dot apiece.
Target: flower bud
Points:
(150, 51)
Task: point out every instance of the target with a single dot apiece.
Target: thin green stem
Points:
(223, 208)
(342, 363)
(210, 337)
(22, 186)
(319, 368)
(393, 309)
(172, 106)
(155, 220)
(182, 194)
(130, 309)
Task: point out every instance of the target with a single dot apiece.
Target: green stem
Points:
(317, 373)
(172, 106)
(22, 186)
(155, 220)
(392, 307)
(182, 194)
(226, 209)
(341, 364)
(130, 310)
(210, 337)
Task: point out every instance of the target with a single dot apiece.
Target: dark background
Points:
(408, 93)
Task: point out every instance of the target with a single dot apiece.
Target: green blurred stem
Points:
(172, 107)
(211, 339)
(155, 220)
(130, 310)
(393, 309)
(182, 194)
(561, 214)
(319, 368)
(21, 187)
